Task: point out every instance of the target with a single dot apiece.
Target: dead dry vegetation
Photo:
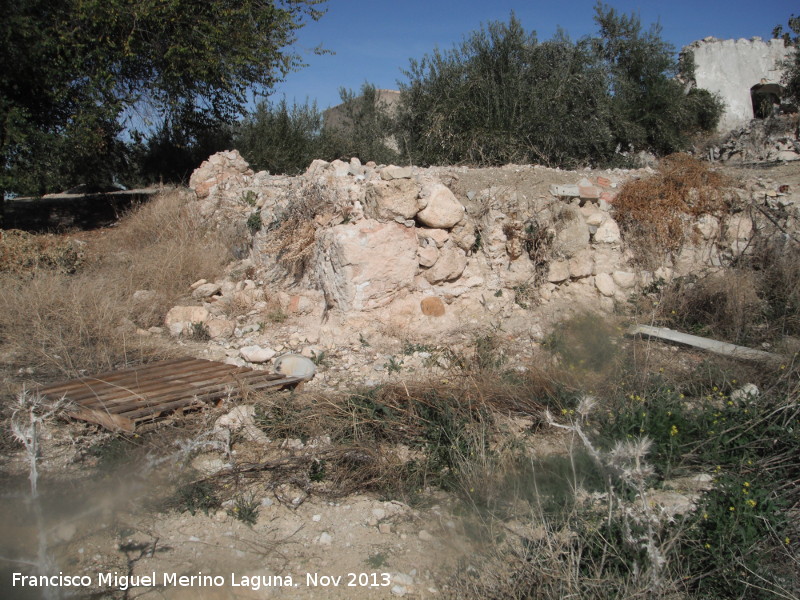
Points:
(67, 321)
(653, 211)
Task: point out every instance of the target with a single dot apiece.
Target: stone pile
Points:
(412, 253)
(773, 140)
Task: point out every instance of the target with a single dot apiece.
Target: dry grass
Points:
(65, 324)
(652, 212)
(757, 301)
(291, 237)
(163, 246)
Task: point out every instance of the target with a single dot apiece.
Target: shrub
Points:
(502, 96)
(754, 302)
(198, 496)
(280, 138)
(651, 211)
(284, 139)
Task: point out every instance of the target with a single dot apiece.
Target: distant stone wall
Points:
(731, 68)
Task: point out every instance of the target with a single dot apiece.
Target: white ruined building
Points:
(745, 73)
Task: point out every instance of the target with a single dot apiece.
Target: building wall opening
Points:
(766, 98)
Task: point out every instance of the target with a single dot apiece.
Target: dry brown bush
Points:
(163, 246)
(22, 252)
(652, 211)
(65, 325)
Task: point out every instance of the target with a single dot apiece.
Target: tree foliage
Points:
(75, 69)
(791, 76)
(285, 139)
(280, 138)
(503, 96)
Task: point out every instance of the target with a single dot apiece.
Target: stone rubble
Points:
(401, 254)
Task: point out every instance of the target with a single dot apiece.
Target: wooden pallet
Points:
(119, 400)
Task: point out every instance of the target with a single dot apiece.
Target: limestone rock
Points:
(604, 284)
(386, 200)
(572, 234)
(608, 233)
(220, 328)
(787, 156)
(451, 264)
(184, 316)
(218, 168)
(443, 210)
(144, 296)
(437, 236)
(624, 279)
(394, 172)
(317, 167)
(428, 256)
(363, 266)
(463, 235)
(581, 265)
(738, 227)
(558, 272)
(206, 290)
(256, 354)
(707, 226)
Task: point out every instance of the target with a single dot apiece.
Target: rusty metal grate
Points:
(119, 400)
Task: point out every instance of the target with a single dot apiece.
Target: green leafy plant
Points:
(245, 509)
(393, 365)
(254, 222)
(199, 332)
(377, 560)
(198, 496)
(250, 198)
(317, 471)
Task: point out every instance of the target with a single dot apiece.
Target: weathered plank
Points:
(723, 348)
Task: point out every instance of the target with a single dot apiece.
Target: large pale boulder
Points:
(179, 319)
(558, 271)
(256, 354)
(443, 210)
(363, 266)
(451, 264)
(572, 234)
(386, 200)
(581, 265)
(738, 227)
(605, 284)
(608, 233)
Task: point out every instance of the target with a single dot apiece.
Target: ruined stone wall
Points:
(429, 252)
(731, 67)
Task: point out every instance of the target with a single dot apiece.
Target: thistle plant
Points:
(29, 414)
(641, 522)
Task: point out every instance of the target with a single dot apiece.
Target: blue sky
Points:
(373, 41)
